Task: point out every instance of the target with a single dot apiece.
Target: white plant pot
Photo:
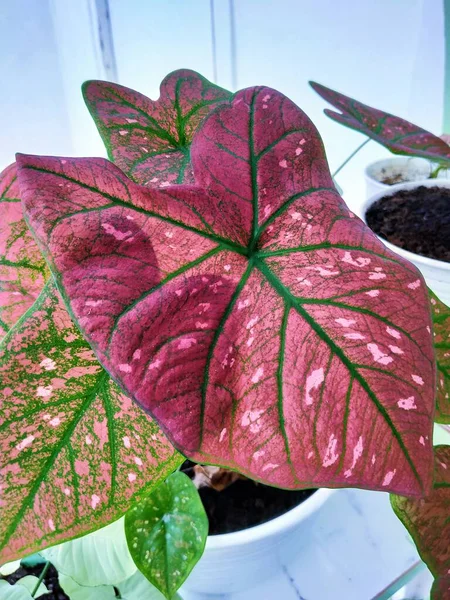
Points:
(233, 562)
(409, 169)
(435, 272)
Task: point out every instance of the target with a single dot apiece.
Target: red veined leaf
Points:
(22, 267)
(428, 522)
(149, 140)
(260, 322)
(396, 134)
(441, 327)
(75, 452)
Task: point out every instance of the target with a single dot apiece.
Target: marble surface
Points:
(359, 551)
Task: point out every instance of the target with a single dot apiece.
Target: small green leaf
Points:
(29, 582)
(166, 533)
(101, 558)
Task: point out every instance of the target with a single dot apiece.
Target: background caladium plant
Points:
(149, 140)
(22, 268)
(396, 134)
(441, 327)
(427, 520)
(261, 323)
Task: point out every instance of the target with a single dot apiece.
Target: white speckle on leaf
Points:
(373, 293)
(55, 422)
(359, 261)
(94, 501)
(389, 477)
(283, 164)
(357, 453)
(345, 322)
(313, 382)
(378, 355)
(395, 349)
(125, 368)
(258, 374)
(392, 332)
(415, 284)
(126, 441)
(48, 364)
(407, 403)
(331, 455)
(417, 379)
(44, 391)
(222, 434)
(25, 442)
(269, 466)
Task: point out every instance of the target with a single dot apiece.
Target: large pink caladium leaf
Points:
(428, 522)
(396, 134)
(259, 321)
(75, 452)
(149, 140)
(22, 267)
(441, 326)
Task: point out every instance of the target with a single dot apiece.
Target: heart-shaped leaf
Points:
(13, 592)
(258, 320)
(396, 134)
(75, 452)
(428, 520)
(149, 140)
(166, 533)
(441, 326)
(100, 558)
(75, 591)
(22, 267)
(29, 582)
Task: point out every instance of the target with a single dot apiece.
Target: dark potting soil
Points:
(50, 580)
(417, 220)
(245, 504)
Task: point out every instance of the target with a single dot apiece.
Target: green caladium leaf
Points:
(441, 326)
(29, 582)
(10, 567)
(75, 591)
(166, 533)
(13, 592)
(428, 522)
(100, 558)
(149, 140)
(22, 268)
(75, 452)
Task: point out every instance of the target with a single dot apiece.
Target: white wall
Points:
(33, 114)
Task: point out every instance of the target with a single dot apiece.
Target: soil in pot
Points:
(245, 503)
(417, 220)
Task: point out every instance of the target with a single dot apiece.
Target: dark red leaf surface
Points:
(149, 140)
(22, 267)
(428, 520)
(258, 320)
(398, 135)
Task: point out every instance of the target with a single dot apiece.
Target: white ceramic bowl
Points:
(410, 169)
(436, 272)
(235, 561)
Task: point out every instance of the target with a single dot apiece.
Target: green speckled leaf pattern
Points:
(75, 452)
(166, 533)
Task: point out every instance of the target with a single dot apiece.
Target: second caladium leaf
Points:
(398, 135)
(441, 327)
(22, 267)
(149, 140)
(259, 321)
(75, 452)
(428, 522)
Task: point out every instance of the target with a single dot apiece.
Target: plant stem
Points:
(41, 578)
(435, 172)
(348, 159)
